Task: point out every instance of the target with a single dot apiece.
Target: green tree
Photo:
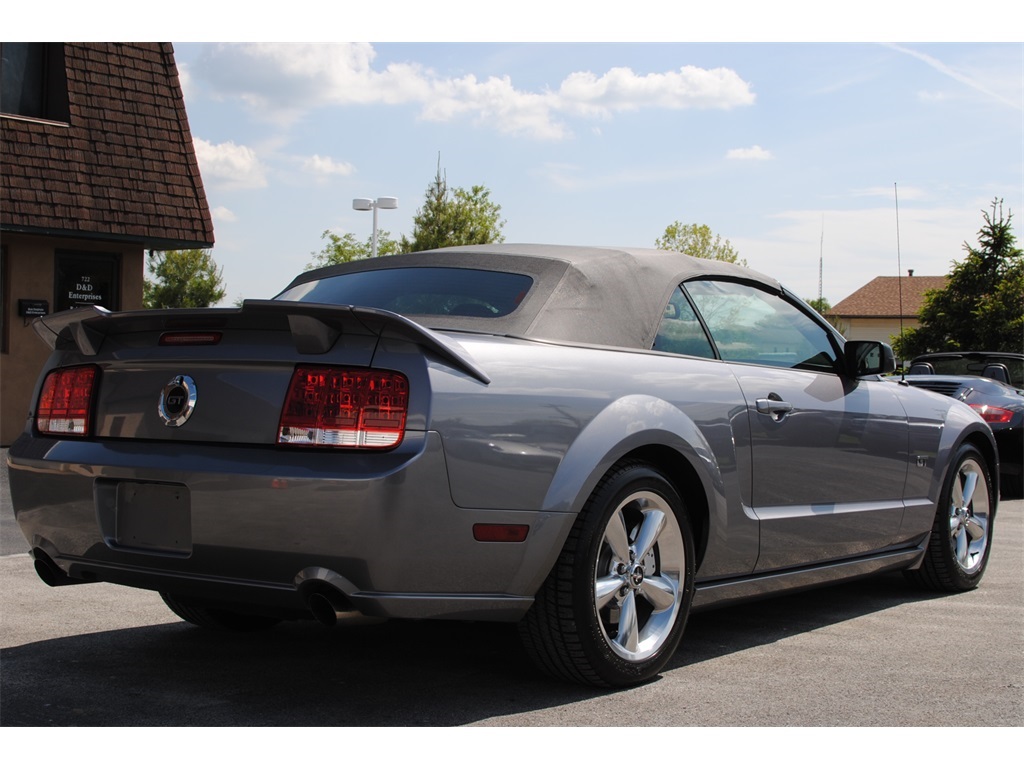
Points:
(341, 249)
(182, 279)
(982, 305)
(454, 217)
(698, 240)
(824, 308)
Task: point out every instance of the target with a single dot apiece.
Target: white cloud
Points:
(755, 152)
(283, 81)
(222, 214)
(325, 166)
(620, 90)
(890, 193)
(229, 165)
(858, 245)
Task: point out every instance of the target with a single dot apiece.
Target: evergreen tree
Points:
(982, 306)
(454, 217)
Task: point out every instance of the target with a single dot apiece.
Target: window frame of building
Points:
(5, 302)
(33, 81)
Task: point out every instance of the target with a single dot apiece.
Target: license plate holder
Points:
(153, 516)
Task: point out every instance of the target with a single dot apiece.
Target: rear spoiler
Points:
(314, 327)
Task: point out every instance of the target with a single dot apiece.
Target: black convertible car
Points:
(992, 383)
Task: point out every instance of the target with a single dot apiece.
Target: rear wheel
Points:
(216, 618)
(961, 536)
(613, 609)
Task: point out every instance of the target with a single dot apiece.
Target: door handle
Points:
(774, 406)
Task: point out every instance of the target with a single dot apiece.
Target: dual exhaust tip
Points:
(327, 605)
(331, 607)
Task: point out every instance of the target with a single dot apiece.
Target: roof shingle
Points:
(881, 297)
(124, 165)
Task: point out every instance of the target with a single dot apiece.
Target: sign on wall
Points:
(87, 278)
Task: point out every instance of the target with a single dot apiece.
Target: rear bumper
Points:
(267, 527)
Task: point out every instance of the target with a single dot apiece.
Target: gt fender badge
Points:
(177, 401)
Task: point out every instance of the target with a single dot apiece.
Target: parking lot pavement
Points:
(871, 653)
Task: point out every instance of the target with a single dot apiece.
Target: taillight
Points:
(344, 408)
(993, 414)
(65, 402)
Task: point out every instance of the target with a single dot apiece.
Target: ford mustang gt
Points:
(590, 442)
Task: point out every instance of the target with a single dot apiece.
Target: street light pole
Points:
(366, 204)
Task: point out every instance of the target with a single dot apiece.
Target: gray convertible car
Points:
(590, 442)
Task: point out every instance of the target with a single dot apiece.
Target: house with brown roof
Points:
(97, 166)
(875, 311)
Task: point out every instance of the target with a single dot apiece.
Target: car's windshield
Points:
(976, 366)
(420, 291)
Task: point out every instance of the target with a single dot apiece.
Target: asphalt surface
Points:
(875, 653)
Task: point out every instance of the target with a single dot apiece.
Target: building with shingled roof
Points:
(878, 311)
(97, 166)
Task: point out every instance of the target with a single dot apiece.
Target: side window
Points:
(680, 331)
(750, 325)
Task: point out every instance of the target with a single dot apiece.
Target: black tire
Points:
(961, 536)
(607, 615)
(222, 619)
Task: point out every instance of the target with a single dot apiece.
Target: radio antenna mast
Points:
(821, 259)
(899, 263)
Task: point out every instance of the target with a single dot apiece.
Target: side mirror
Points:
(867, 358)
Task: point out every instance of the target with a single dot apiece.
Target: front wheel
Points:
(613, 609)
(961, 536)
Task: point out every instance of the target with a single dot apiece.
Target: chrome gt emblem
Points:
(177, 401)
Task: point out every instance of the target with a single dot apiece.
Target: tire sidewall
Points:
(614, 669)
(960, 579)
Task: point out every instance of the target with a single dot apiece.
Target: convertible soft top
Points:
(607, 296)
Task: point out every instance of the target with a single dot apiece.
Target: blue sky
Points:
(790, 151)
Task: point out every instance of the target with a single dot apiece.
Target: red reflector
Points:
(344, 408)
(993, 414)
(189, 339)
(500, 532)
(65, 402)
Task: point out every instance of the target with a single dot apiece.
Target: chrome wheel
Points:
(614, 607)
(961, 535)
(969, 516)
(637, 589)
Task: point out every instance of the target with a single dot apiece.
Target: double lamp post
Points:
(366, 204)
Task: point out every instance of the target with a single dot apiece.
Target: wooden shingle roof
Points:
(123, 167)
(881, 297)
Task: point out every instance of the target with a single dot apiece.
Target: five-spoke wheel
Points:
(962, 534)
(969, 516)
(638, 574)
(614, 607)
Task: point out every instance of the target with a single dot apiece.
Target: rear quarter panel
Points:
(555, 418)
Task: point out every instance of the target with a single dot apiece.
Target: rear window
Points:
(441, 291)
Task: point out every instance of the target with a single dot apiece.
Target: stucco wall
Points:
(876, 329)
(30, 262)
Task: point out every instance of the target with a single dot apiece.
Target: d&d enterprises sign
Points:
(83, 279)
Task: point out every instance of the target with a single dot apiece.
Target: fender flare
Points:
(626, 425)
